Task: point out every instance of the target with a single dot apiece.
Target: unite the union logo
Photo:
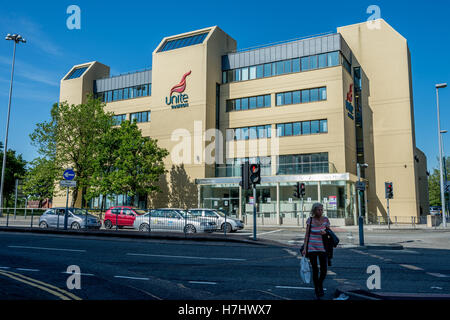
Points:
(180, 100)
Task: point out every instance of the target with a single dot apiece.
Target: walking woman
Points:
(314, 247)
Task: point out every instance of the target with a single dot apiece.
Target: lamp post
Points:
(16, 38)
(360, 217)
(444, 218)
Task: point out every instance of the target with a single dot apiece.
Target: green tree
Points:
(71, 138)
(434, 184)
(137, 161)
(15, 169)
(39, 181)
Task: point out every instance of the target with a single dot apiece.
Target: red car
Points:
(123, 216)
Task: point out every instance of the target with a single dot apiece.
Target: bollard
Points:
(32, 215)
(395, 220)
(7, 217)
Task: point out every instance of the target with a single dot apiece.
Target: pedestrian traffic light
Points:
(300, 190)
(245, 183)
(389, 190)
(255, 174)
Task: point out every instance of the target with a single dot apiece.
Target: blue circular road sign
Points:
(69, 174)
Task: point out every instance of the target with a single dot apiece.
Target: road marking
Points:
(81, 274)
(296, 288)
(203, 282)
(41, 248)
(408, 266)
(183, 257)
(259, 234)
(4, 267)
(331, 273)
(25, 269)
(60, 293)
(438, 288)
(132, 278)
(439, 275)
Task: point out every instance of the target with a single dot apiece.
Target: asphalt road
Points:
(156, 269)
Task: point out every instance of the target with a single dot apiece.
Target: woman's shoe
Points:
(320, 291)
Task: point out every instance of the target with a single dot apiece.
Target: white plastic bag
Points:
(305, 270)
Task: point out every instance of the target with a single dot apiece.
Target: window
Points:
(238, 104)
(333, 59)
(140, 116)
(261, 132)
(252, 73)
(305, 63)
(76, 73)
(306, 127)
(297, 128)
(244, 74)
(259, 71)
(303, 163)
(237, 75)
(267, 70)
(288, 129)
(313, 62)
(260, 101)
(322, 60)
(183, 42)
(253, 134)
(280, 99)
(280, 130)
(314, 95)
(252, 103)
(296, 65)
(267, 100)
(305, 96)
(287, 66)
(245, 133)
(118, 119)
(296, 97)
(288, 98)
(279, 67)
(268, 131)
(323, 93)
(323, 126)
(244, 103)
(315, 126)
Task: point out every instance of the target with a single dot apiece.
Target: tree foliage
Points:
(39, 181)
(15, 169)
(434, 185)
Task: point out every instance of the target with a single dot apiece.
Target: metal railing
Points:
(162, 221)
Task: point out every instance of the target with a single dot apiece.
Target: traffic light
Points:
(300, 190)
(245, 183)
(255, 174)
(389, 190)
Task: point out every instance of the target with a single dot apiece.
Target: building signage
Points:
(349, 101)
(180, 99)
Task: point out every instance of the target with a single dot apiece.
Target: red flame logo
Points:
(350, 94)
(181, 86)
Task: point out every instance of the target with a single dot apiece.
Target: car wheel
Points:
(189, 229)
(75, 226)
(144, 227)
(229, 227)
(108, 224)
(43, 225)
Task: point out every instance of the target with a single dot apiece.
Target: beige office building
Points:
(308, 110)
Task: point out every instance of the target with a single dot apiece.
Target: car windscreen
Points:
(77, 211)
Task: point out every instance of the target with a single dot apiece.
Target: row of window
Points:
(302, 128)
(137, 116)
(282, 67)
(301, 96)
(248, 103)
(256, 132)
(303, 163)
(142, 90)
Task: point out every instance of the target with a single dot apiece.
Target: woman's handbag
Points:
(305, 270)
(333, 237)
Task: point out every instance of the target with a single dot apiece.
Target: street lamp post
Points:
(360, 217)
(444, 218)
(16, 38)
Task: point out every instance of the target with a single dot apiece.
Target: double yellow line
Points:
(60, 293)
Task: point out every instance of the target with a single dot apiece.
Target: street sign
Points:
(360, 185)
(67, 183)
(69, 174)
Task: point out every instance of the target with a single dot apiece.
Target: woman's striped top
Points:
(315, 242)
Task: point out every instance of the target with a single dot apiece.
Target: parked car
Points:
(177, 220)
(77, 219)
(435, 210)
(231, 224)
(123, 216)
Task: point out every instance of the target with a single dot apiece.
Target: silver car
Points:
(222, 220)
(77, 219)
(177, 220)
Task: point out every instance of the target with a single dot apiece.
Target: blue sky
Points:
(124, 34)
